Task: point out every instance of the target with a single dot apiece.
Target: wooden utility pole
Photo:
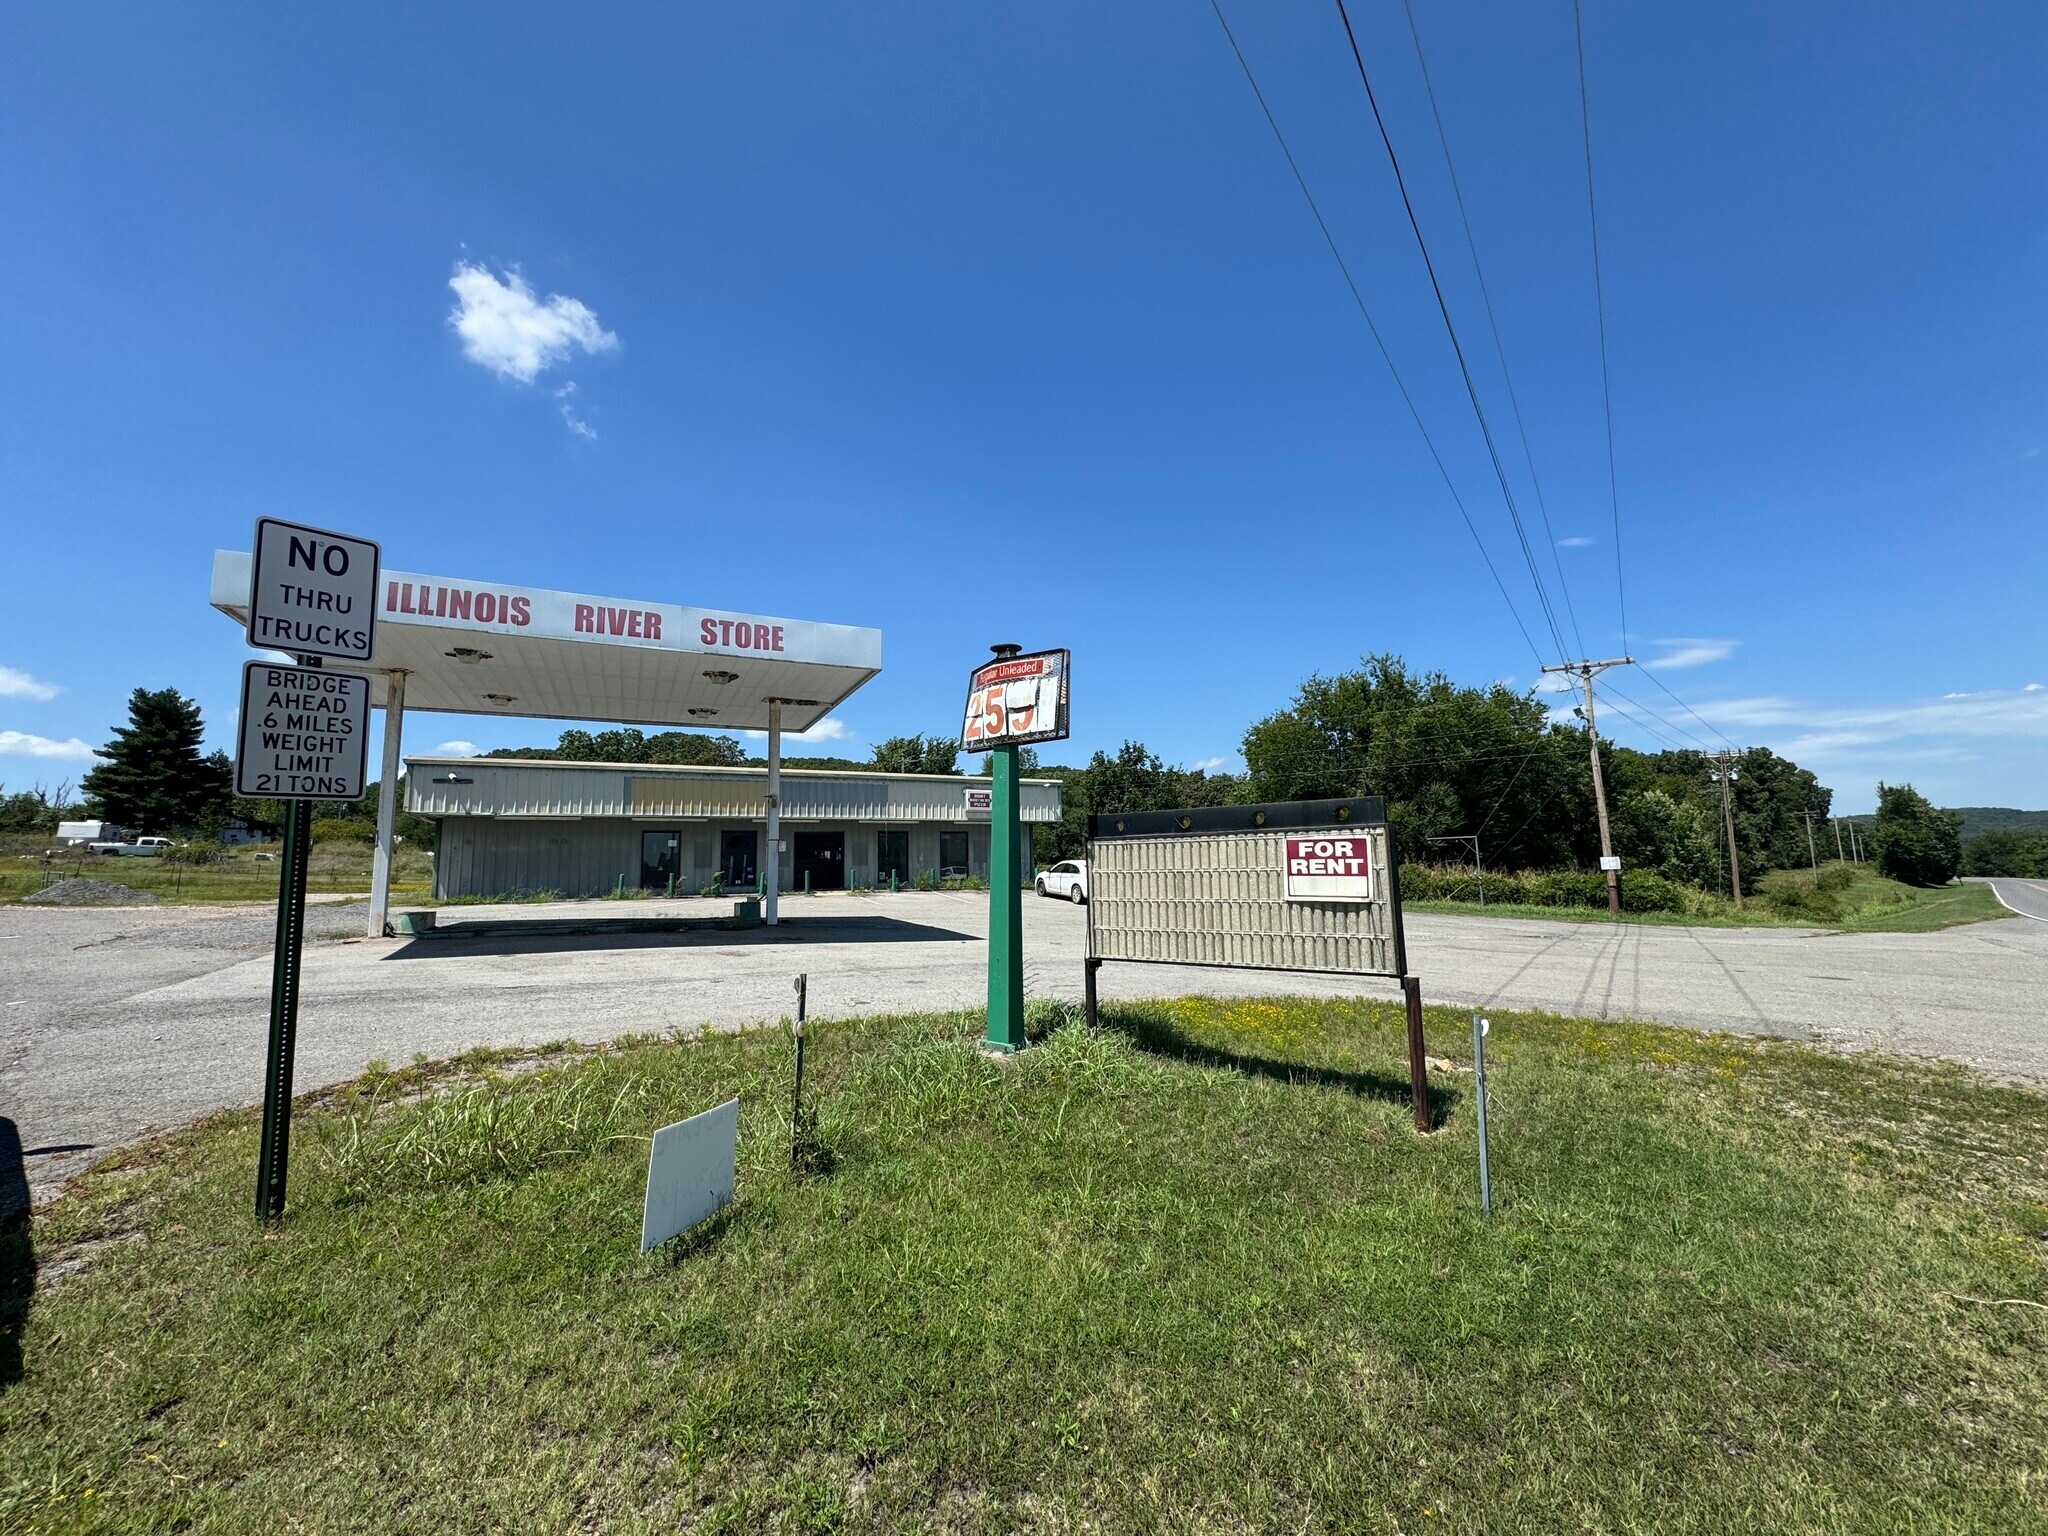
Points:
(1586, 671)
(1840, 857)
(1725, 774)
(1810, 853)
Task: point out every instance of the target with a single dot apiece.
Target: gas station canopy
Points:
(486, 648)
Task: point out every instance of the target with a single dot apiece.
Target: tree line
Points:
(1451, 762)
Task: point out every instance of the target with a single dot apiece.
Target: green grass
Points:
(1194, 1274)
(1854, 898)
(332, 867)
(1709, 917)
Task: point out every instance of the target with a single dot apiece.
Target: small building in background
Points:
(513, 826)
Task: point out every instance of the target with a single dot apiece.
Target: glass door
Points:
(892, 857)
(661, 859)
(737, 852)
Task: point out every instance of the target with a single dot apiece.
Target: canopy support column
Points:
(387, 802)
(771, 856)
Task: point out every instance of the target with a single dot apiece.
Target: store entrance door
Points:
(820, 856)
(737, 852)
(661, 859)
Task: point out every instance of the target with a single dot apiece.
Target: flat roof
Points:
(490, 648)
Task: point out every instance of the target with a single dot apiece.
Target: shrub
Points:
(712, 887)
(1801, 900)
(197, 855)
(1641, 890)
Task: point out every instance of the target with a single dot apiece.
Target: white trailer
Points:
(71, 832)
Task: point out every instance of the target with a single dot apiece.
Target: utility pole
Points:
(1809, 846)
(1586, 671)
(1473, 839)
(1840, 857)
(1725, 775)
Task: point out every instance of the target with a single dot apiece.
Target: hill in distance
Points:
(1999, 818)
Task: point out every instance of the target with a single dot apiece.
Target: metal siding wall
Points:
(1221, 900)
(509, 788)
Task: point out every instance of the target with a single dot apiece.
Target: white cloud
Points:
(2031, 688)
(21, 744)
(16, 684)
(570, 419)
(1695, 652)
(1800, 730)
(1213, 765)
(506, 329)
(458, 749)
(828, 729)
(1578, 541)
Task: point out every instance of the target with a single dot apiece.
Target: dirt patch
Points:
(89, 893)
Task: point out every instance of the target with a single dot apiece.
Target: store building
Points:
(465, 646)
(512, 825)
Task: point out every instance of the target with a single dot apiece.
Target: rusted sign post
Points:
(1303, 885)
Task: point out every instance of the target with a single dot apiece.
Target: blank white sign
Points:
(689, 1172)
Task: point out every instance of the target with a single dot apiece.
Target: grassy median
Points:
(1195, 1273)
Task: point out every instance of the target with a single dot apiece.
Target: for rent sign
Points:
(305, 733)
(1329, 868)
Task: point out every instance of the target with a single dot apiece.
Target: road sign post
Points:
(1012, 700)
(1005, 907)
(303, 736)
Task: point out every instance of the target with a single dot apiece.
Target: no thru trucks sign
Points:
(312, 592)
(305, 734)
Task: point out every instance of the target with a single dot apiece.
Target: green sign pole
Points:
(1005, 906)
(273, 1155)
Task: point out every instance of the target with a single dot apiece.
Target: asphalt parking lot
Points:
(121, 1021)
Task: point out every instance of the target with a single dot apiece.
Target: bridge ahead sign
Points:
(312, 592)
(305, 733)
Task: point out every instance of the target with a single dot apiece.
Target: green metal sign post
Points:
(1013, 700)
(1005, 906)
(303, 736)
(273, 1155)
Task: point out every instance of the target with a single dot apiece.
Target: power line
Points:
(1682, 704)
(1493, 323)
(1379, 341)
(1600, 310)
(1451, 329)
(1668, 724)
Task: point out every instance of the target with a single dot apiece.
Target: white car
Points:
(1068, 878)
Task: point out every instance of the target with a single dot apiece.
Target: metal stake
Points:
(796, 1101)
(1479, 1029)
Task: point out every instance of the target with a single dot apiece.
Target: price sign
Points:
(1016, 699)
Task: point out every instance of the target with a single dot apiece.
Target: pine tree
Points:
(153, 776)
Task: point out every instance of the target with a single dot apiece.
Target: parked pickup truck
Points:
(142, 847)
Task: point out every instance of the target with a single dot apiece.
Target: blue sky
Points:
(986, 323)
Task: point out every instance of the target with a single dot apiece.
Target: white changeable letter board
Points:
(1297, 886)
(1016, 699)
(305, 733)
(312, 592)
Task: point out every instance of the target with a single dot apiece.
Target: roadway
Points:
(120, 1022)
(2029, 898)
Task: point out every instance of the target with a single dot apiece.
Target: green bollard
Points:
(807, 882)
